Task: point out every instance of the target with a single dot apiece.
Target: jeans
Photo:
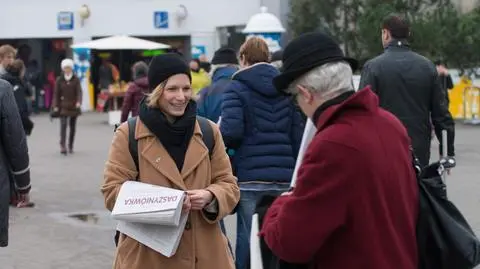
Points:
(63, 130)
(245, 210)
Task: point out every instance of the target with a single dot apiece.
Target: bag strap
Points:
(132, 142)
(207, 134)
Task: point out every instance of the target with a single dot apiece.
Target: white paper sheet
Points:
(145, 203)
(162, 239)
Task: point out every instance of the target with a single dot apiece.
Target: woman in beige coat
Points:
(171, 153)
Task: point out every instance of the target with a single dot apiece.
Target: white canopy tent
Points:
(120, 42)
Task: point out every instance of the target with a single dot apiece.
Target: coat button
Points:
(188, 226)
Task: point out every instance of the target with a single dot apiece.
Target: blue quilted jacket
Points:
(263, 126)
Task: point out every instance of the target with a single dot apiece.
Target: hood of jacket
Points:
(141, 83)
(224, 73)
(259, 77)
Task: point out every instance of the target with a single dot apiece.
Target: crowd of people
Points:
(355, 202)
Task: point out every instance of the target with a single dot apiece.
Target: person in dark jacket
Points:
(15, 76)
(408, 85)
(67, 101)
(14, 160)
(265, 130)
(446, 81)
(224, 65)
(355, 202)
(136, 91)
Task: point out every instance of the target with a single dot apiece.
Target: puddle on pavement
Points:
(90, 218)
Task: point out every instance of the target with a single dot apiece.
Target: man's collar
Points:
(398, 43)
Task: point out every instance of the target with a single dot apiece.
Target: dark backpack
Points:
(207, 137)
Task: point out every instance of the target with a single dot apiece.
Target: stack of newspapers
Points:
(152, 215)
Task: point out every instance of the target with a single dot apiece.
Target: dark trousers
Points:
(72, 123)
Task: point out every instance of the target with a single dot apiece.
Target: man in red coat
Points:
(355, 203)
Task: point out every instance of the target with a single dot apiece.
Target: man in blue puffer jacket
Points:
(265, 129)
(224, 65)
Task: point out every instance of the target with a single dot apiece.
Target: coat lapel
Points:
(158, 157)
(196, 152)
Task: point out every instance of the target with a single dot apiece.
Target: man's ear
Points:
(305, 94)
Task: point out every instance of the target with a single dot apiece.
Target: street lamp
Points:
(84, 13)
(267, 26)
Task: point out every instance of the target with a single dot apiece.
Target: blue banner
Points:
(272, 39)
(81, 60)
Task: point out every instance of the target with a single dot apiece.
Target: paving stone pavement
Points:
(44, 238)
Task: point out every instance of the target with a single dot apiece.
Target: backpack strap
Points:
(207, 134)
(132, 142)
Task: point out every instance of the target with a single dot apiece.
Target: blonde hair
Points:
(7, 49)
(153, 99)
(255, 50)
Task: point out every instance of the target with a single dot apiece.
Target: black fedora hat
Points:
(306, 52)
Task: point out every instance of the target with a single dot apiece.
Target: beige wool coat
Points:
(203, 245)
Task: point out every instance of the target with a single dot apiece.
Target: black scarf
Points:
(175, 137)
(335, 101)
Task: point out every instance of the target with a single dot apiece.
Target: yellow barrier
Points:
(471, 105)
(456, 96)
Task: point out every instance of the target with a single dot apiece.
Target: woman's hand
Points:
(200, 198)
(187, 205)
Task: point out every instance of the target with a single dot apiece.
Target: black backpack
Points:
(207, 137)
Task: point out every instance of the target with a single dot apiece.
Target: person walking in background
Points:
(224, 65)
(408, 85)
(136, 91)
(14, 160)
(15, 76)
(7, 56)
(105, 75)
(67, 101)
(167, 126)
(200, 78)
(265, 130)
(446, 81)
(204, 64)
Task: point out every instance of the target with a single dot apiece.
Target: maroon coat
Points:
(135, 93)
(355, 203)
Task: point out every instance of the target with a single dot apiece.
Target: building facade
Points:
(466, 5)
(46, 29)
(202, 21)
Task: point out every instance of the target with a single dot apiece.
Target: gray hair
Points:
(328, 80)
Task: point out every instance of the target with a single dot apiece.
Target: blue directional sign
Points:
(65, 20)
(160, 19)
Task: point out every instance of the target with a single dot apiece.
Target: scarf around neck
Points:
(175, 137)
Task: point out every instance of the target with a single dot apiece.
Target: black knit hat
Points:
(225, 56)
(164, 66)
(306, 52)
